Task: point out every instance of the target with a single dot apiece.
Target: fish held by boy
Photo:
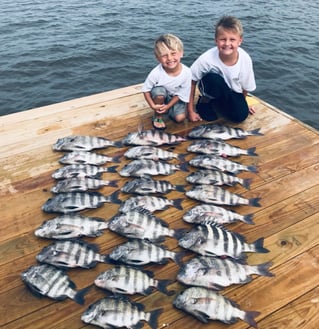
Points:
(47, 280)
(211, 239)
(70, 226)
(219, 196)
(84, 157)
(152, 153)
(83, 143)
(119, 312)
(205, 304)
(71, 254)
(76, 201)
(218, 273)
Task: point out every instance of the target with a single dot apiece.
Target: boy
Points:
(167, 87)
(224, 75)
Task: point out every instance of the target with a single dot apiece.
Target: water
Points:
(52, 51)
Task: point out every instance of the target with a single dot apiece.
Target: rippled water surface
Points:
(51, 51)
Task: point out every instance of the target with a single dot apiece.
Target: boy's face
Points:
(228, 41)
(170, 59)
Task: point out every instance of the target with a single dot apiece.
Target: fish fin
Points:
(153, 321)
(162, 287)
(178, 203)
(254, 202)
(255, 132)
(201, 316)
(252, 151)
(248, 219)
(79, 297)
(180, 188)
(250, 318)
(246, 183)
(259, 246)
(252, 168)
(110, 169)
(263, 269)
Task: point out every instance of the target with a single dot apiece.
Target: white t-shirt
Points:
(179, 85)
(238, 77)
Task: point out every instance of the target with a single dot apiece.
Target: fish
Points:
(71, 254)
(150, 203)
(140, 224)
(119, 312)
(84, 157)
(81, 184)
(219, 196)
(211, 239)
(147, 185)
(216, 177)
(217, 131)
(152, 153)
(129, 280)
(220, 148)
(209, 161)
(81, 171)
(205, 304)
(76, 201)
(70, 226)
(142, 252)
(47, 280)
(83, 143)
(218, 273)
(142, 168)
(152, 137)
(220, 215)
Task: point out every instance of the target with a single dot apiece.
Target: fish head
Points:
(61, 143)
(190, 271)
(54, 256)
(46, 229)
(35, 280)
(120, 252)
(108, 279)
(118, 222)
(197, 132)
(190, 239)
(90, 314)
(131, 138)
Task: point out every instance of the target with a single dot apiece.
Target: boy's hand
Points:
(252, 110)
(161, 108)
(194, 116)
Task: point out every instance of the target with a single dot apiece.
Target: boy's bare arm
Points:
(192, 115)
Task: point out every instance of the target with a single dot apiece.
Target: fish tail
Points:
(178, 258)
(111, 169)
(178, 233)
(256, 132)
(153, 321)
(79, 296)
(180, 188)
(114, 197)
(162, 287)
(246, 183)
(254, 202)
(263, 269)
(116, 159)
(252, 168)
(248, 219)
(250, 318)
(118, 144)
(183, 166)
(113, 183)
(252, 151)
(181, 157)
(178, 203)
(259, 246)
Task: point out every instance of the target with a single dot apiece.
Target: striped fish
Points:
(147, 185)
(81, 184)
(150, 203)
(209, 161)
(71, 226)
(217, 131)
(218, 273)
(83, 143)
(220, 215)
(128, 280)
(140, 224)
(216, 177)
(47, 280)
(81, 171)
(142, 252)
(83, 157)
(71, 254)
(76, 201)
(219, 148)
(143, 167)
(119, 312)
(205, 304)
(152, 137)
(152, 153)
(210, 239)
(219, 196)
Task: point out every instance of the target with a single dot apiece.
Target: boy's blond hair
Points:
(167, 41)
(229, 23)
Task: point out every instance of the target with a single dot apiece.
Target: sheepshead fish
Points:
(220, 215)
(71, 226)
(211, 239)
(152, 137)
(81, 184)
(216, 147)
(143, 167)
(218, 273)
(216, 177)
(76, 201)
(47, 280)
(141, 252)
(147, 185)
(150, 203)
(209, 161)
(71, 254)
(141, 224)
(216, 131)
(128, 280)
(217, 195)
(83, 143)
(152, 153)
(119, 312)
(82, 171)
(205, 305)
(84, 157)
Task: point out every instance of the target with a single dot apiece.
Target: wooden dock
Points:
(287, 183)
